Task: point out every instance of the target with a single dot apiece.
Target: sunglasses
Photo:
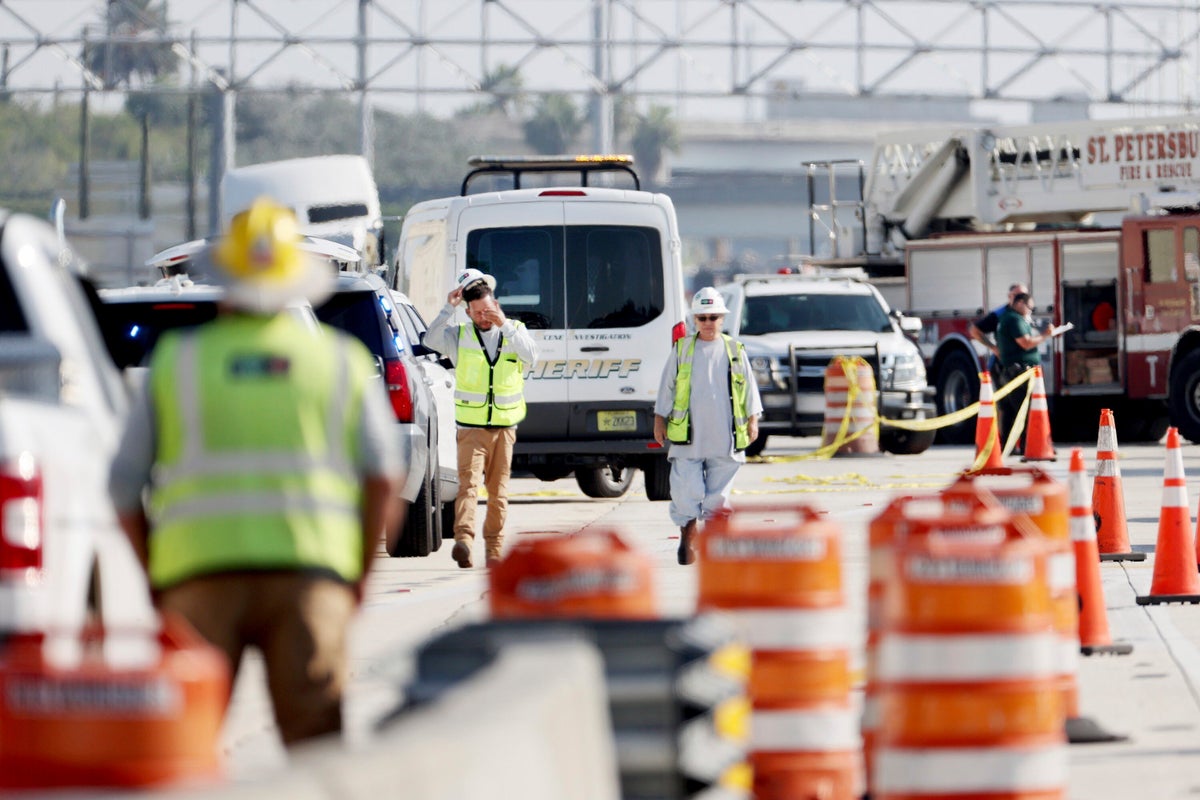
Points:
(707, 317)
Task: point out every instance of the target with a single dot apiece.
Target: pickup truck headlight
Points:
(907, 371)
(761, 366)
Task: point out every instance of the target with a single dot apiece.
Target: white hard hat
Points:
(708, 301)
(471, 276)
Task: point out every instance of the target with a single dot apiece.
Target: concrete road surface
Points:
(1152, 696)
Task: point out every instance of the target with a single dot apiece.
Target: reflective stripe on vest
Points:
(278, 492)
(487, 392)
(679, 422)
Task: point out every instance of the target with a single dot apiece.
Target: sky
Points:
(768, 45)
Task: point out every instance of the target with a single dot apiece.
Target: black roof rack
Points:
(515, 166)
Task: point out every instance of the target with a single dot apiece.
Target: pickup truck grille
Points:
(811, 370)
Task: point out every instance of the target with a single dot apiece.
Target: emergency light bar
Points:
(516, 166)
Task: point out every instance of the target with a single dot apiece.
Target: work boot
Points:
(687, 550)
(462, 554)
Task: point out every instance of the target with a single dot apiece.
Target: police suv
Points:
(792, 325)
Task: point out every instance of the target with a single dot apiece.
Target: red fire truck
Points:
(1101, 219)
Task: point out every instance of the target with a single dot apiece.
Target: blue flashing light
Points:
(133, 332)
(386, 305)
(399, 340)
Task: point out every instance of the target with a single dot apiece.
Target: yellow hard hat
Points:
(261, 261)
(262, 244)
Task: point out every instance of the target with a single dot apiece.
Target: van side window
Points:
(527, 266)
(1160, 256)
(614, 276)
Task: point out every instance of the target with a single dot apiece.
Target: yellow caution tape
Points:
(928, 424)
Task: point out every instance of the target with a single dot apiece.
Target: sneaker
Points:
(462, 554)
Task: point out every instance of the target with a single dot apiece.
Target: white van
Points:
(334, 198)
(594, 272)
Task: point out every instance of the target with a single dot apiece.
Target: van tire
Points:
(447, 513)
(602, 481)
(657, 474)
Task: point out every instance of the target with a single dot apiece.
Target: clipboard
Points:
(1059, 330)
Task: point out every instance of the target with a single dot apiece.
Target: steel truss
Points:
(693, 54)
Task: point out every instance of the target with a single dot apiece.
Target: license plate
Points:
(616, 421)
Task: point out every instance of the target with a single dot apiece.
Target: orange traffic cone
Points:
(987, 434)
(1094, 637)
(1175, 579)
(1038, 446)
(1108, 498)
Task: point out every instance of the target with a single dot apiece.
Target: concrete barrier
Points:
(534, 724)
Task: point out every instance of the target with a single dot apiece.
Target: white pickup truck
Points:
(61, 404)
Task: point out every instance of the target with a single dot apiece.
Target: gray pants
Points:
(700, 487)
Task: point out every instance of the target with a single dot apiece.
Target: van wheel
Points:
(448, 520)
(657, 475)
(957, 388)
(756, 447)
(416, 536)
(604, 481)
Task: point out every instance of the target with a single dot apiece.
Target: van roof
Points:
(302, 182)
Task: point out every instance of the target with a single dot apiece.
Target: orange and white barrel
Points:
(968, 702)
(776, 572)
(966, 514)
(108, 708)
(851, 399)
(1035, 494)
(590, 574)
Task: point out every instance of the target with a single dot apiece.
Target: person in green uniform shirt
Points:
(1017, 343)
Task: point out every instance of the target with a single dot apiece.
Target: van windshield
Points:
(574, 276)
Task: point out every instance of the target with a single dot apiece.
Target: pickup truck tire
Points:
(757, 446)
(416, 535)
(657, 472)
(604, 481)
(957, 388)
(900, 442)
(1184, 399)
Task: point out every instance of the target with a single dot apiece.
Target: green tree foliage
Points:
(132, 49)
(554, 126)
(655, 134)
(40, 146)
(505, 90)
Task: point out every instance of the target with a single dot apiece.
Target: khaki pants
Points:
(484, 455)
(297, 620)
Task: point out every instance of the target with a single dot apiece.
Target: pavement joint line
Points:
(1182, 652)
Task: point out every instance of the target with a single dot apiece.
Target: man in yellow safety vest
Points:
(490, 354)
(707, 408)
(273, 471)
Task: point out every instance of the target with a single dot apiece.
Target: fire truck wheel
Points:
(957, 388)
(1184, 399)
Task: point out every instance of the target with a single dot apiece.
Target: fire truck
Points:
(1100, 219)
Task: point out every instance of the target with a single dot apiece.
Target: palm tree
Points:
(555, 124)
(655, 134)
(133, 44)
